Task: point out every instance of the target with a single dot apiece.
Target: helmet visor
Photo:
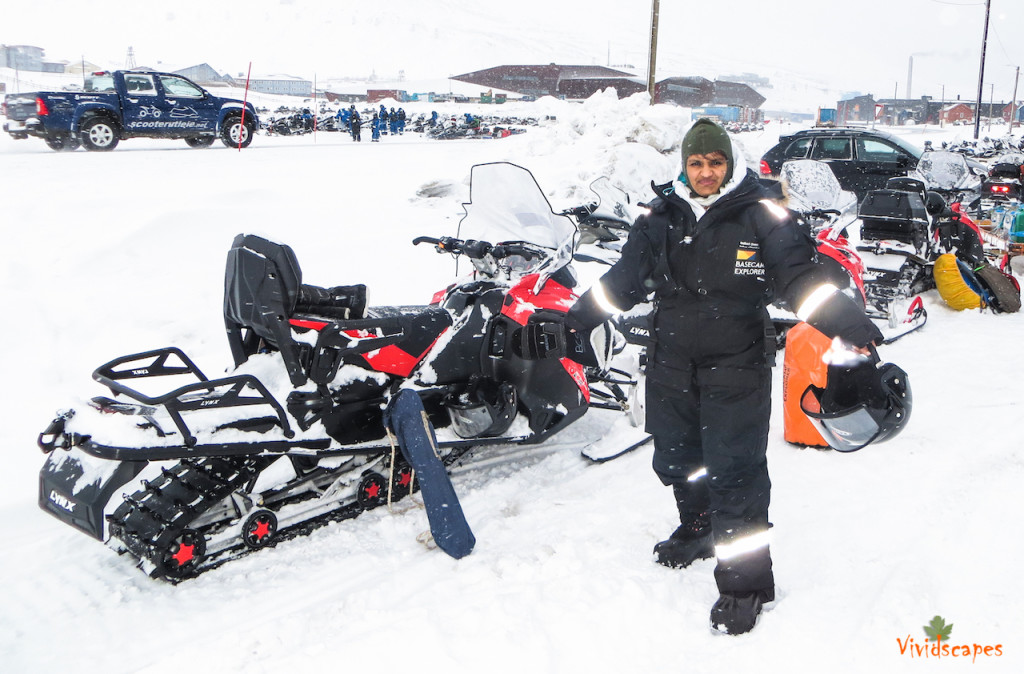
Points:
(471, 420)
(845, 431)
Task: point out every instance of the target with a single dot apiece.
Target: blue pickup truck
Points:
(129, 104)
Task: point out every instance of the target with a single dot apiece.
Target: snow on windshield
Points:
(943, 170)
(811, 184)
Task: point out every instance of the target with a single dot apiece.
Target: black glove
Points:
(840, 316)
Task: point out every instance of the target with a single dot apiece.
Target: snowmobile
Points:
(197, 473)
(603, 223)
(907, 225)
(829, 214)
(1001, 188)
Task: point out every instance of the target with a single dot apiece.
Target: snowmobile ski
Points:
(407, 419)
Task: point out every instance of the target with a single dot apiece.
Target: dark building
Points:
(588, 86)
(540, 80)
(857, 109)
(696, 91)
(687, 92)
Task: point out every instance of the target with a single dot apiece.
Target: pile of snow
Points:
(111, 253)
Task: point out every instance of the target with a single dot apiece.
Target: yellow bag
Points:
(955, 288)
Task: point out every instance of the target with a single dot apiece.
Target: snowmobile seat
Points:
(262, 282)
(1006, 171)
(264, 298)
(894, 214)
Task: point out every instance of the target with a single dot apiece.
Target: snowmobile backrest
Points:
(906, 184)
(261, 286)
(894, 214)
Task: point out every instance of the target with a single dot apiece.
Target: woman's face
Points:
(706, 172)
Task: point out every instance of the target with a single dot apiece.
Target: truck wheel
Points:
(200, 141)
(63, 141)
(233, 127)
(99, 135)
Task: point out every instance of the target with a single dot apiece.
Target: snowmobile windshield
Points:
(508, 206)
(846, 430)
(612, 203)
(810, 184)
(944, 170)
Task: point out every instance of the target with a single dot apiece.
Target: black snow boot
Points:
(736, 612)
(690, 541)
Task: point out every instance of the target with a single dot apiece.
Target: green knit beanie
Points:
(705, 137)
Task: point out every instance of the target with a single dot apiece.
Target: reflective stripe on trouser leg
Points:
(735, 414)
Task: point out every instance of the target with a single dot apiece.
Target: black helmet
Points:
(485, 409)
(860, 404)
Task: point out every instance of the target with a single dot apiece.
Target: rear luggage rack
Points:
(202, 394)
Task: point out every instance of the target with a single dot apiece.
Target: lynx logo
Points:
(638, 331)
(209, 403)
(748, 259)
(141, 372)
(62, 501)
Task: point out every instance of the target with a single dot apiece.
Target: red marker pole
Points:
(245, 101)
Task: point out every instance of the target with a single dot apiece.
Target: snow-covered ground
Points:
(105, 254)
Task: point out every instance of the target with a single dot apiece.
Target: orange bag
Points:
(802, 366)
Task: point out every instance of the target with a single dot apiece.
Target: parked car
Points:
(861, 159)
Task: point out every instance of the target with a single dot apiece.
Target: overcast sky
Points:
(863, 45)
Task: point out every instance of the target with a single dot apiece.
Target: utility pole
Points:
(1013, 101)
(991, 102)
(942, 108)
(981, 71)
(653, 56)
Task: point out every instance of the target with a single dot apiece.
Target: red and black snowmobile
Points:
(299, 431)
(829, 214)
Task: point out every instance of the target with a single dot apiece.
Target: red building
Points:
(957, 112)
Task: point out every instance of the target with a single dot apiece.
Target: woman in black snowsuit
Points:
(715, 249)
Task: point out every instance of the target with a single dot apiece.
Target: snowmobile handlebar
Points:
(477, 250)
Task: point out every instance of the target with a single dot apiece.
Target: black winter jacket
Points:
(712, 280)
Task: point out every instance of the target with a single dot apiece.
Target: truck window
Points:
(139, 85)
(100, 83)
(176, 86)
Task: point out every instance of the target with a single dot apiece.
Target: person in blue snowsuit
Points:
(393, 122)
(433, 118)
(375, 129)
(401, 121)
(383, 119)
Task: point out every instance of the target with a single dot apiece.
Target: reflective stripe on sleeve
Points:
(815, 300)
(602, 299)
